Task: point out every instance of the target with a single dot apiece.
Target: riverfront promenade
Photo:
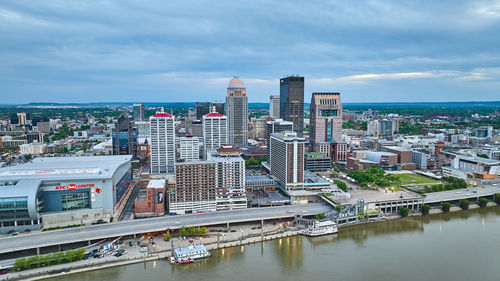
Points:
(162, 251)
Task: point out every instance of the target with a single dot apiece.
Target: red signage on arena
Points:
(74, 186)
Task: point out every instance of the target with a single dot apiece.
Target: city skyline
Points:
(370, 51)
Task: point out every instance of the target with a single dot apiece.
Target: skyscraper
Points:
(219, 107)
(237, 113)
(287, 159)
(162, 132)
(326, 120)
(202, 109)
(292, 102)
(138, 112)
(274, 107)
(124, 135)
(214, 130)
(276, 126)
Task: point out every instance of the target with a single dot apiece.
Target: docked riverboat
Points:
(318, 228)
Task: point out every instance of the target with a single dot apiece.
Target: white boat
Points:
(318, 228)
(190, 253)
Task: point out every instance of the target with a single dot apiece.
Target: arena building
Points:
(63, 191)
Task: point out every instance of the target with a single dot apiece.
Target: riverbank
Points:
(111, 261)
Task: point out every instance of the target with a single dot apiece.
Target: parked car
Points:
(5, 271)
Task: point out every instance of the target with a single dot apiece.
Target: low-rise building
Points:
(63, 191)
(317, 161)
(150, 202)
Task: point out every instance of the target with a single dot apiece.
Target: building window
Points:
(74, 201)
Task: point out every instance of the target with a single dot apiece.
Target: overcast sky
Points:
(162, 51)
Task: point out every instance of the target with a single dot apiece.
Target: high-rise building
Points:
(386, 128)
(287, 159)
(195, 188)
(230, 179)
(292, 102)
(326, 121)
(202, 109)
(162, 134)
(373, 128)
(274, 107)
(23, 118)
(237, 113)
(212, 185)
(214, 130)
(138, 112)
(258, 128)
(124, 135)
(34, 137)
(142, 129)
(276, 126)
(219, 107)
(14, 119)
(197, 128)
(189, 149)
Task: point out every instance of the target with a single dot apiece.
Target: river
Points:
(456, 246)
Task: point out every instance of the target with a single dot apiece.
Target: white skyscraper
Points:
(287, 159)
(214, 130)
(162, 132)
(189, 148)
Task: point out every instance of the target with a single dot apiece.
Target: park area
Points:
(408, 178)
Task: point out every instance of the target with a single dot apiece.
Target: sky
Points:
(181, 51)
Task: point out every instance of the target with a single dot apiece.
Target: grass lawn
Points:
(408, 178)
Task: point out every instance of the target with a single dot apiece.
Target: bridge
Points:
(36, 242)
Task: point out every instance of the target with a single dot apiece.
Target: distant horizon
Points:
(188, 102)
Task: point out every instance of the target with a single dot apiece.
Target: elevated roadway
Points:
(473, 193)
(39, 240)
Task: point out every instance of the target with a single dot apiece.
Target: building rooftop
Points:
(236, 82)
(214, 114)
(157, 183)
(397, 148)
(66, 168)
(162, 114)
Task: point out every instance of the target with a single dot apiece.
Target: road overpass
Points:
(473, 193)
(40, 240)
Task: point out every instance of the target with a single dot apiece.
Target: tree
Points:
(202, 231)
(340, 184)
(464, 204)
(403, 211)
(183, 231)
(19, 264)
(425, 209)
(497, 198)
(251, 163)
(166, 236)
(320, 216)
(445, 206)
(483, 202)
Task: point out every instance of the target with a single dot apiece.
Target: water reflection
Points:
(288, 252)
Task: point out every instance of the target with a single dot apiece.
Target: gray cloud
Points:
(188, 50)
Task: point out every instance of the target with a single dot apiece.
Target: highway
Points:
(94, 232)
(452, 195)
